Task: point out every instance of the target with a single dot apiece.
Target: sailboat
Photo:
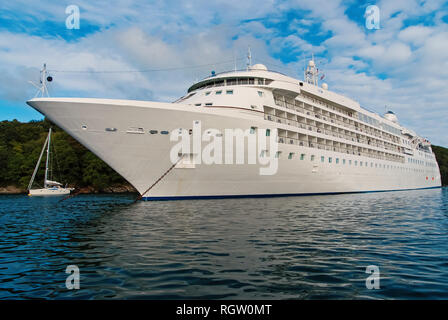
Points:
(51, 188)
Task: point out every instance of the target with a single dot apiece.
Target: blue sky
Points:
(403, 65)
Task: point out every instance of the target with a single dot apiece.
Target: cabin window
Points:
(356, 162)
(277, 154)
(252, 130)
(218, 92)
(302, 156)
(197, 104)
(164, 132)
(322, 159)
(229, 92)
(209, 104)
(330, 159)
(312, 157)
(337, 160)
(350, 162)
(291, 154)
(268, 132)
(260, 93)
(153, 131)
(135, 130)
(84, 127)
(207, 93)
(260, 81)
(343, 161)
(231, 82)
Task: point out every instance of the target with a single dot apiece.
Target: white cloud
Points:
(415, 35)
(165, 34)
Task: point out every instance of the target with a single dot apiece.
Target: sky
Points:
(154, 50)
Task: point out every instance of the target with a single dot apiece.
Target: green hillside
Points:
(442, 158)
(21, 144)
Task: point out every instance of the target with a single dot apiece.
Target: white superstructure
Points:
(327, 142)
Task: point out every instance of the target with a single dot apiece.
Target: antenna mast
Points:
(44, 78)
(311, 72)
(249, 58)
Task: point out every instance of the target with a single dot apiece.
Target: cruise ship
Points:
(326, 143)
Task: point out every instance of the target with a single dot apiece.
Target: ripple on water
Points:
(274, 248)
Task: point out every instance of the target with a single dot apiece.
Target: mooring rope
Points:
(157, 181)
(74, 194)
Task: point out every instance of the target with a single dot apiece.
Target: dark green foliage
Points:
(21, 144)
(442, 158)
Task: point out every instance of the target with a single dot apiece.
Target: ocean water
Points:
(315, 247)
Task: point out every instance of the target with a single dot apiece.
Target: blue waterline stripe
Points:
(239, 196)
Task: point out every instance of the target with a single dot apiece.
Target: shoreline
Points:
(11, 190)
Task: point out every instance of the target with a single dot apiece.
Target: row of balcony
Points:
(345, 122)
(371, 154)
(336, 134)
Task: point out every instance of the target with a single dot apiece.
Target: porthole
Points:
(164, 132)
(153, 131)
(84, 127)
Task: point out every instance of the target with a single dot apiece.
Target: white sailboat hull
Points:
(49, 192)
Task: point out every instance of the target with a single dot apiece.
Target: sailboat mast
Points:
(37, 165)
(48, 158)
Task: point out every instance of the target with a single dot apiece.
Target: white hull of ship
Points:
(143, 158)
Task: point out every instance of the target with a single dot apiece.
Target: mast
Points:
(249, 58)
(311, 72)
(44, 79)
(48, 157)
(37, 165)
